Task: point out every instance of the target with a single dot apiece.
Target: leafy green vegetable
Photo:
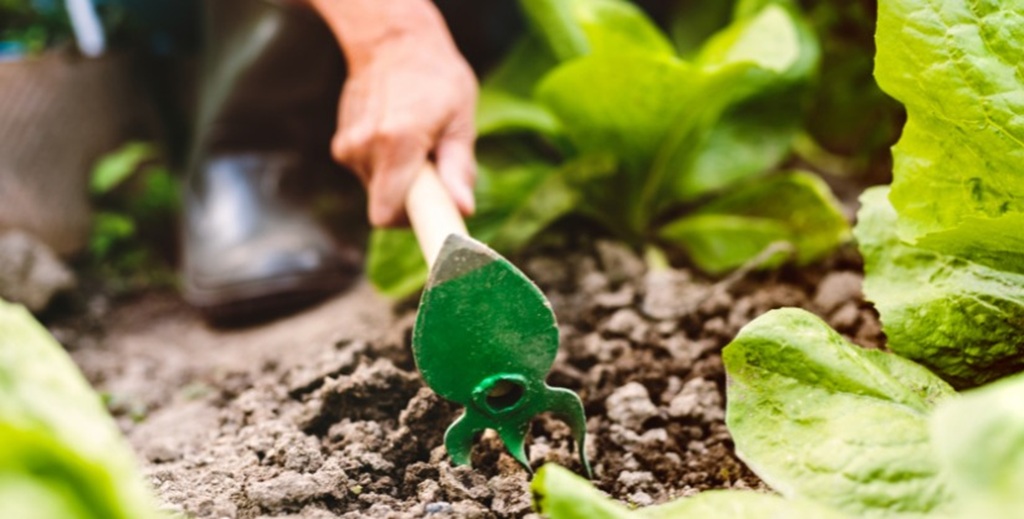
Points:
(980, 440)
(395, 264)
(805, 408)
(638, 101)
(957, 179)
(608, 122)
(794, 208)
(137, 200)
(116, 167)
(62, 455)
(560, 494)
(574, 28)
(944, 262)
(729, 504)
(959, 318)
(501, 112)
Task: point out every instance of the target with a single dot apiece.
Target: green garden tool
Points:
(485, 336)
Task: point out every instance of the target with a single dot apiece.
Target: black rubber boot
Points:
(268, 97)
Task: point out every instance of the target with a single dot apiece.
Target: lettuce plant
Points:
(62, 456)
(870, 433)
(594, 113)
(841, 432)
(953, 234)
(560, 494)
(874, 434)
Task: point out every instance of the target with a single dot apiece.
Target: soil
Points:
(323, 414)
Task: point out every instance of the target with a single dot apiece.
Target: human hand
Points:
(410, 97)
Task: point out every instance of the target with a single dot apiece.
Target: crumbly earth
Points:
(324, 415)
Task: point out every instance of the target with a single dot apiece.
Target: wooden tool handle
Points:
(432, 212)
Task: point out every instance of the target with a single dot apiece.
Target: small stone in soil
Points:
(698, 399)
(838, 288)
(846, 317)
(627, 323)
(439, 507)
(672, 294)
(619, 262)
(630, 406)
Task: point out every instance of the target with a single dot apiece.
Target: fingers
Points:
(397, 161)
(456, 165)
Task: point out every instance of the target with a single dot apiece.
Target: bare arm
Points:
(409, 95)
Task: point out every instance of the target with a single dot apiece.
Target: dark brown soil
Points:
(323, 414)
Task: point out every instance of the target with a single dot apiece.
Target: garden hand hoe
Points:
(485, 336)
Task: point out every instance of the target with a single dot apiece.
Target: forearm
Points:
(361, 26)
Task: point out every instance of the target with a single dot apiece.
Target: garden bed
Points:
(323, 414)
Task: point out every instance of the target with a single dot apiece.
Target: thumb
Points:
(456, 165)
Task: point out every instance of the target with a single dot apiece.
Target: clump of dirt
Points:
(348, 429)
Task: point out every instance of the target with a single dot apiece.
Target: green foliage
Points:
(794, 209)
(841, 431)
(943, 267)
(957, 180)
(560, 494)
(31, 28)
(979, 439)
(944, 262)
(594, 114)
(869, 433)
(805, 407)
(62, 457)
(137, 199)
(960, 318)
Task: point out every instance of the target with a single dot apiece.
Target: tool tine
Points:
(514, 438)
(567, 406)
(458, 439)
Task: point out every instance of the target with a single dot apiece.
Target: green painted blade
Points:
(485, 337)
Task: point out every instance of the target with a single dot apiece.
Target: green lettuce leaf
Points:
(575, 28)
(980, 440)
(507, 219)
(560, 494)
(394, 263)
(955, 65)
(500, 112)
(795, 209)
(959, 318)
(62, 456)
(735, 504)
(623, 105)
(775, 39)
(757, 70)
(819, 418)
(756, 133)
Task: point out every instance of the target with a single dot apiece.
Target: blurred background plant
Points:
(136, 197)
(96, 140)
(31, 26)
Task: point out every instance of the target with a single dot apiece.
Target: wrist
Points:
(365, 27)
